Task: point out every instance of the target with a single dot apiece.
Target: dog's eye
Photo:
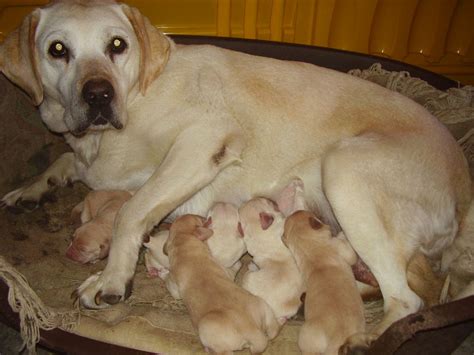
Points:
(58, 50)
(117, 45)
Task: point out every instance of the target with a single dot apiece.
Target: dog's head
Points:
(82, 60)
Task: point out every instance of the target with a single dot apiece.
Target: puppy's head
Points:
(223, 219)
(188, 225)
(81, 60)
(259, 217)
(304, 225)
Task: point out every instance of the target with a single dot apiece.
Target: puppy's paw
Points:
(100, 291)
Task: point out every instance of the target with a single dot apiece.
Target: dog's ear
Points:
(154, 47)
(18, 58)
(266, 220)
(203, 233)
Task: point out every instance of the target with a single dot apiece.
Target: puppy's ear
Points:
(203, 233)
(240, 230)
(266, 220)
(315, 223)
(165, 248)
(18, 58)
(154, 47)
(208, 223)
(291, 198)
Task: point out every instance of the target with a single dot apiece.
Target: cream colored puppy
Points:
(333, 307)
(187, 126)
(226, 244)
(156, 262)
(91, 241)
(226, 316)
(275, 276)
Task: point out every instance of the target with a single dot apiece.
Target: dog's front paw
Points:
(26, 198)
(100, 291)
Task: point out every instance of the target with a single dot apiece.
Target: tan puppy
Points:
(333, 306)
(226, 244)
(226, 316)
(275, 278)
(91, 241)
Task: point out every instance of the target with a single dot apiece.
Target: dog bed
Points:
(40, 278)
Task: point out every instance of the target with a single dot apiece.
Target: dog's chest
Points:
(118, 164)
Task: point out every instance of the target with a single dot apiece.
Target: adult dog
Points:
(185, 126)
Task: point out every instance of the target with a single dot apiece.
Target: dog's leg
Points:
(28, 197)
(375, 219)
(195, 159)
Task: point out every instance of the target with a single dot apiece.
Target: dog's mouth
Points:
(97, 118)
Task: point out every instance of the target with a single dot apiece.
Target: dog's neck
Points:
(86, 147)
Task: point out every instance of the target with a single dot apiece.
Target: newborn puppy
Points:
(333, 307)
(276, 279)
(226, 316)
(156, 262)
(226, 244)
(91, 241)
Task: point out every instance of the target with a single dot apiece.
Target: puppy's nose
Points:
(98, 92)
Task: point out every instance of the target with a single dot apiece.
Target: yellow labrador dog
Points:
(185, 126)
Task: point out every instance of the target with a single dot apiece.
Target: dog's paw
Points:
(357, 344)
(26, 198)
(99, 291)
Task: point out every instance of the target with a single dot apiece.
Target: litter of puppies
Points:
(293, 253)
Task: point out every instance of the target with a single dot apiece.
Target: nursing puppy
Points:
(226, 316)
(186, 126)
(226, 244)
(275, 276)
(156, 262)
(333, 307)
(91, 241)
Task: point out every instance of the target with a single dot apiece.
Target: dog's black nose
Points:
(98, 92)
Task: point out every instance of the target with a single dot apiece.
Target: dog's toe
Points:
(14, 209)
(27, 205)
(111, 299)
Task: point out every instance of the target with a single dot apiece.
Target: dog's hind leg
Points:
(387, 210)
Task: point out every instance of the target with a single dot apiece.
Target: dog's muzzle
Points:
(99, 94)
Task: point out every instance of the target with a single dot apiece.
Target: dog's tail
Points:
(458, 259)
(463, 243)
